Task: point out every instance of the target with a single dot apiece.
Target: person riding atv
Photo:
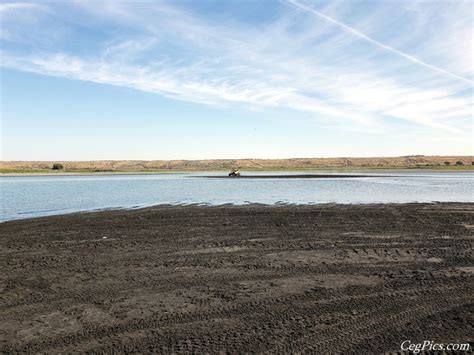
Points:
(234, 172)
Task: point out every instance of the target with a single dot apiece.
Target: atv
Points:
(234, 173)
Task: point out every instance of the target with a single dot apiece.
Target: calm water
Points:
(33, 196)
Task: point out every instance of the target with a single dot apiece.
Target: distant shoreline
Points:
(318, 170)
(413, 162)
(224, 172)
(292, 176)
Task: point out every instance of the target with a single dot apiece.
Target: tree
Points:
(459, 163)
(447, 163)
(57, 166)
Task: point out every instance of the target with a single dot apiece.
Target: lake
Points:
(34, 196)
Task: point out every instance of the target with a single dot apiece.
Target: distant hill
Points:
(415, 161)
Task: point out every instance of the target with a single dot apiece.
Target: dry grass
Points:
(417, 161)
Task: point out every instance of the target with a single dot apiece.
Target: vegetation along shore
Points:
(151, 166)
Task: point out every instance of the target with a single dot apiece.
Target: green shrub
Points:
(57, 166)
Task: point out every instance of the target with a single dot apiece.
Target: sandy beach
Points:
(323, 278)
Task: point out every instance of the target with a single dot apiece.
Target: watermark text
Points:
(430, 345)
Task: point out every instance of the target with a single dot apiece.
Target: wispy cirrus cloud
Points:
(369, 39)
(5, 7)
(293, 60)
(9, 11)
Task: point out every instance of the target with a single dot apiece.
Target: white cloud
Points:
(369, 39)
(295, 62)
(5, 7)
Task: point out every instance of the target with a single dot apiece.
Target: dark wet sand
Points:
(299, 176)
(279, 279)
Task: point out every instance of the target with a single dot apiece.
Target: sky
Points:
(209, 79)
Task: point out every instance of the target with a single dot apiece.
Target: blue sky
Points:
(84, 80)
